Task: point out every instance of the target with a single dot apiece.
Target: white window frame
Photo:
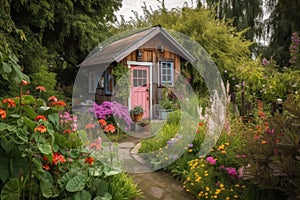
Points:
(160, 73)
(92, 82)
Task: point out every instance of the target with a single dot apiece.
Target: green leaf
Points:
(74, 153)
(40, 102)
(111, 173)
(3, 126)
(20, 122)
(29, 112)
(82, 195)
(7, 145)
(54, 118)
(76, 183)
(28, 99)
(6, 68)
(22, 135)
(11, 128)
(45, 148)
(48, 189)
(4, 168)
(107, 196)
(11, 190)
(29, 123)
(15, 116)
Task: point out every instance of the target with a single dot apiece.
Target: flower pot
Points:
(137, 117)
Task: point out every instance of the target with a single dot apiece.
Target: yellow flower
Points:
(215, 196)
(227, 198)
(237, 185)
(221, 147)
(221, 185)
(236, 196)
(187, 190)
(205, 174)
(223, 152)
(207, 188)
(188, 178)
(227, 143)
(263, 141)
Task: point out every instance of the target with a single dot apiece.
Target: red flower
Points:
(46, 167)
(58, 158)
(102, 122)
(109, 128)
(67, 131)
(58, 103)
(89, 126)
(200, 124)
(52, 98)
(2, 113)
(23, 82)
(42, 117)
(41, 88)
(10, 102)
(96, 144)
(41, 129)
(89, 160)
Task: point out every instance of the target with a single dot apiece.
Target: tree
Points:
(56, 34)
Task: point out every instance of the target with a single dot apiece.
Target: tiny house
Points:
(153, 59)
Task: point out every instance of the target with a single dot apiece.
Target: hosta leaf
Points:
(112, 173)
(28, 99)
(76, 183)
(11, 190)
(54, 118)
(45, 148)
(6, 68)
(48, 189)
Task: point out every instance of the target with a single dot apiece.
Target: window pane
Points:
(144, 73)
(144, 82)
(140, 82)
(140, 73)
(134, 73)
(135, 82)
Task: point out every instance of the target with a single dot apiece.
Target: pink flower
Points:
(96, 144)
(211, 160)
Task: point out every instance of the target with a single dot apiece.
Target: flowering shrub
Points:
(44, 155)
(205, 180)
(113, 112)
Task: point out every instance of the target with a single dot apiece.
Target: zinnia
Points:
(89, 160)
(58, 158)
(211, 160)
(109, 128)
(41, 129)
(2, 113)
(42, 117)
(10, 102)
(41, 88)
(52, 98)
(58, 103)
(102, 122)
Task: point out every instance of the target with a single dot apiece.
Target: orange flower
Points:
(109, 128)
(42, 117)
(89, 126)
(200, 124)
(67, 131)
(52, 98)
(263, 141)
(41, 129)
(40, 88)
(102, 122)
(2, 113)
(23, 82)
(46, 167)
(10, 102)
(57, 157)
(58, 103)
(89, 160)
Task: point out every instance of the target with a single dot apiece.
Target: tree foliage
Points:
(54, 34)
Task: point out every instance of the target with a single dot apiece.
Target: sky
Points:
(129, 5)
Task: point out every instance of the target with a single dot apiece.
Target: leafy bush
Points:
(44, 155)
(273, 150)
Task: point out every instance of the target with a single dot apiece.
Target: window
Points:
(108, 81)
(166, 73)
(139, 77)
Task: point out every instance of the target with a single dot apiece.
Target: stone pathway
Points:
(158, 185)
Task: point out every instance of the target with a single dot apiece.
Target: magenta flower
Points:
(211, 160)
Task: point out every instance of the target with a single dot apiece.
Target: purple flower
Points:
(231, 171)
(190, 145)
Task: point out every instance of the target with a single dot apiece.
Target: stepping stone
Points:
(135, 150)
(126, 145)
(156, 192)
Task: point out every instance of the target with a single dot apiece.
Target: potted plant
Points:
(137, 113)
(166, 107)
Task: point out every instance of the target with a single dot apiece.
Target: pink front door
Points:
(140, 88)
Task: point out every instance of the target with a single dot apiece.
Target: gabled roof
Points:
(120, 48)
